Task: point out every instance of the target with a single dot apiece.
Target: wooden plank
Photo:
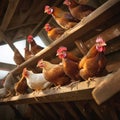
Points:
(6, 66)
(38, 111)
(106, 11)
(22, 26)
(48, 111)
(9, 13)
(96, 109)
(70, 110)
(56, 108)
(80, 105)
(6, 40)
(107, 88)
(113, 64)
(108, 34)
(77, 91)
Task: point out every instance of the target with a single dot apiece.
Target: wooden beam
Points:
(80, 105)
(107, 88)
(97, 110)
(38, 111)
(21, 26)
(77, 91)
(47, 109)
(110, 33)
(6, 40)
(113, 64)
(6, 66)
(9, 14)
(70, 110)
(54, 106)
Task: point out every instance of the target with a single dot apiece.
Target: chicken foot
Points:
(73, 84)
(89, 80)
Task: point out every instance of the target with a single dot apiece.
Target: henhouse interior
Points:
(60, 59)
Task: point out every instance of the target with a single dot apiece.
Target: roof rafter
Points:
(9, 13)
(6, 66)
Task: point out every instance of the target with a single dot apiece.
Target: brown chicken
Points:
(53, 32)
(34, 47)
(79, 11)
(63, 18)
(94, 63)
(28, 54)
(54, 73)
(70, 63)
(21, 86)
(18, 58)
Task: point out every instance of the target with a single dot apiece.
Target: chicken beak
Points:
(37, 65)
(45, 11)
(104, 44)
(57, 54)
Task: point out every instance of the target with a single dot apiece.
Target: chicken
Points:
(18, 58)
(34, 47)
(79, 11)
(28, 54)
(35, 81)
(70, 64)
(54, 73)
(63, 18)
(53, 32)
(8, 86)
(21, 86)
(94, 63)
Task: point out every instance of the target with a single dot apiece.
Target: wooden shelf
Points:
(65, 93)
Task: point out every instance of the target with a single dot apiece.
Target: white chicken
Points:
(36, 81)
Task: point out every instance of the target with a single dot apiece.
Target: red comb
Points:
(47, 7)
(65, 2)
(47, 25)
(99, 39)
(61, 49)
(30, 37)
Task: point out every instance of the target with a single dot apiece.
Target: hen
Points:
(35, 81)
(21, 86)
(70, 63)
(94, 63)
(53, 32)
(63, 18)
(34, 47)
(8, 86)
(28, 54)
(79, 11)
(18, 58)
(54, 73)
